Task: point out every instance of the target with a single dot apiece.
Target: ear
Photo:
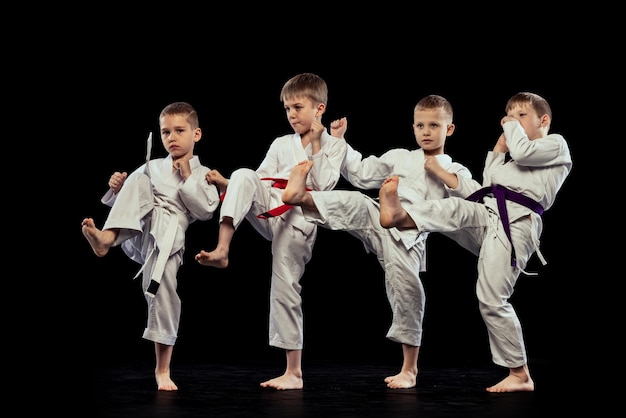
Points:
(320, 109)
(197, 134)
(450, 129)
(545, 120)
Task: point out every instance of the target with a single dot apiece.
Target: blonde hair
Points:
(434, 101)
(308, 85)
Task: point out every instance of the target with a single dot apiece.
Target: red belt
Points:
(279, 210)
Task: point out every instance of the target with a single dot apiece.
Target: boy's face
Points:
(301, 113)
(177, 136)
(431, 128)
(533, 124)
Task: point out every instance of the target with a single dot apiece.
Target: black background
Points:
(233, 77)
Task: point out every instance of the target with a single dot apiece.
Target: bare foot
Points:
(390, 209)
(100, 241)
(164, 382)
(403, 380)
(216, 258)
(284, 382)
(296, 185)
(514, 383)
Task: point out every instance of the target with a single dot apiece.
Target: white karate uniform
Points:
(401, 254)
(538, 169)
(153, 213)
(292, 237)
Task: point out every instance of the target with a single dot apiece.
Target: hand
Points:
(117, 181)
(501, 145)
(339, 127)
(215, 177)
(506, 119)
(432, 164)
(316, 129)
(183, 167)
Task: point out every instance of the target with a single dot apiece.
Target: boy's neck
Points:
(431, 153)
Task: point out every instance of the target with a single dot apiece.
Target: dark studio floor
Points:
(219, 361)
(218, 366)
(331, 390)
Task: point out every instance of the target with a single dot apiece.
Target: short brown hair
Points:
(184, 109)
(538, 103)
(306, 84)
(434, 101)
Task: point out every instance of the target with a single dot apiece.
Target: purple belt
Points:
(502, 194)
